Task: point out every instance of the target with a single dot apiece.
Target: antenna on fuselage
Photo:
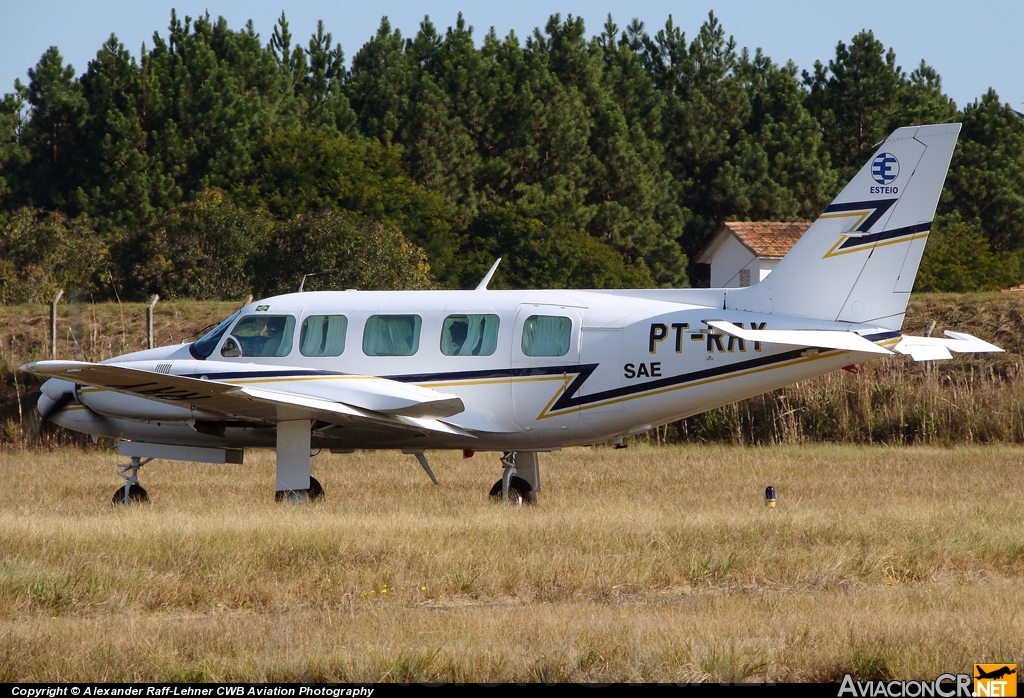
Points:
(303, 282)
(482, 286)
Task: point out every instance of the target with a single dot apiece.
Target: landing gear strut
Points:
(513, 489)
(132, 492)
(294, 483)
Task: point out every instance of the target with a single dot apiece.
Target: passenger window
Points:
(323, 335)
(546, 335)
(391, 335)
(469, 335)
(261, 336)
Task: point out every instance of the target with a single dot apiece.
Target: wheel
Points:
(519, 492)
(316, 490)
(315, 493)
(136, 495)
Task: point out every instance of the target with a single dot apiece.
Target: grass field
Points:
(644, 564)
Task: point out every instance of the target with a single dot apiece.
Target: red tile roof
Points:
(767, 239)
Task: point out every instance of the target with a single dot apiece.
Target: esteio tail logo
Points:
(885, 168)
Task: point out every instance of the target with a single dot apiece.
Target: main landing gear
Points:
(520, 479)
(314, 494)
(132, 492)
(294, 483)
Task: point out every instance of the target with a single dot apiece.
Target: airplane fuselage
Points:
(536, 370)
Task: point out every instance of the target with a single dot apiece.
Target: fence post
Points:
(53, 322)
(149, 320)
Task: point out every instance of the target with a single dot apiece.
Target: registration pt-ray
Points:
(521, 372)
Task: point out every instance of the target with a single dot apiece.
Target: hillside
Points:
(892, 400)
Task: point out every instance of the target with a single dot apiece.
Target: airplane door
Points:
(545, 357)
(600, 410)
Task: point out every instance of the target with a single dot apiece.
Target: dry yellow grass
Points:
(652, 564)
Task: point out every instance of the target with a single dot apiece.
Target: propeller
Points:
(50, 402)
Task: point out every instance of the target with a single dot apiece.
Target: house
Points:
(742, 253)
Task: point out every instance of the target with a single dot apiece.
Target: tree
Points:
(779, 168)
(42, 251)
(863, 95)
(205, 249)
(380, 83)
(315, 76)
(986, 178)
(958, 259)
(310, 171)
(343, 250)
(52, 134)
(535, 255)
(124, 183)
(13, 155)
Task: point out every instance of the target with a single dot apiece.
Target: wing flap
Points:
(823, 339)
(307, 407)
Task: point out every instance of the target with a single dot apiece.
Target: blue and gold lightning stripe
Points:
(868, 213)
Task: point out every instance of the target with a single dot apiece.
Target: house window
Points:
(744, 278)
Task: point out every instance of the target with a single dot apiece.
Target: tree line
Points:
(216, 165)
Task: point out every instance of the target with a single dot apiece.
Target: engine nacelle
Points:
(112, 404)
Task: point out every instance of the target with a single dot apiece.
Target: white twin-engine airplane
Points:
(521, 372)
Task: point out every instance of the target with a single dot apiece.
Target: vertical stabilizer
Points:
(857, 262)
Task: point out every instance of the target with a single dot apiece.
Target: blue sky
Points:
(973, 46)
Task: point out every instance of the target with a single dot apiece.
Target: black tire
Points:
(316, 490)
(136, 495)
(315, 493)
(519, 492)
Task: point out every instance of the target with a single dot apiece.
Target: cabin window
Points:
(546, 335)
(261, 336)
(323, 335)
(392, 335)
(469, 335)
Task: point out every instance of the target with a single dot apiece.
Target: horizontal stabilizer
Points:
(821, 339)
(939, 348)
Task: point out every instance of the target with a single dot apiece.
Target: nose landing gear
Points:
(512, 488)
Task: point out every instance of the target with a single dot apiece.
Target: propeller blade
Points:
(49, 411)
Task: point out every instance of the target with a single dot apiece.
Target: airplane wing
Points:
(365, 399)
(938, 348)
(823, 339)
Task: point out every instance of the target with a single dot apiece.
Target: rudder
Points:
(858, 261)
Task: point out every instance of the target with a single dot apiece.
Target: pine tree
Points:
(986, 178)
(53, 134)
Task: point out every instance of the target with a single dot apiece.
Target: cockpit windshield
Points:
(203, 347)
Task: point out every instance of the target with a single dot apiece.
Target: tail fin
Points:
(858, 261)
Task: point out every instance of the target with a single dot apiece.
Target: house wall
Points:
(766, 266)
(728, 259)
